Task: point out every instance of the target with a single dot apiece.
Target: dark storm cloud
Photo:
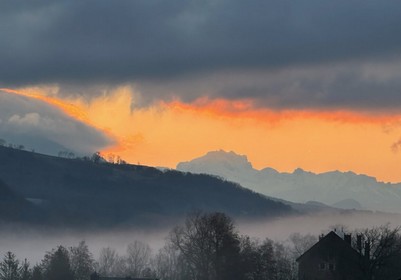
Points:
(111, 42)
(43, 128)
(352, 85)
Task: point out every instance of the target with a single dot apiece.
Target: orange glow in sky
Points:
(169, 132)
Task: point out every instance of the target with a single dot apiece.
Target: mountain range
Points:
(338, 189)
(37, 188)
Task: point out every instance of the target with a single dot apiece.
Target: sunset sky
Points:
(312, 84)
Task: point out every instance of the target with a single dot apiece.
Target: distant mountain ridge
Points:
(82, 193)
(340, 189)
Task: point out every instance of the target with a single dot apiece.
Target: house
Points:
(332, 258)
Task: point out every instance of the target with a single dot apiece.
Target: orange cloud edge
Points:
(247, 109)
(227, 110)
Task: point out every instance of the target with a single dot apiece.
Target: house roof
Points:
(331, 240)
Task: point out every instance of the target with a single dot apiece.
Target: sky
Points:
(314, 84)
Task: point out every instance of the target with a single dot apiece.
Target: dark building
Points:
(332, 258)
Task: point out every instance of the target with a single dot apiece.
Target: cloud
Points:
(288, 54)
(31, 119)
(364, 86)
(43, 128)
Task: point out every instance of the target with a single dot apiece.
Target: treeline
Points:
(75, 263)
(96, 157)
(206, 247)
(3, 143)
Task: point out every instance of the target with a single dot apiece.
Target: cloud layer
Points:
(38, 126)
(289, 54)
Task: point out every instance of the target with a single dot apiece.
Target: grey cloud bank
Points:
(38, 126)
(157, 43)
(360, 86)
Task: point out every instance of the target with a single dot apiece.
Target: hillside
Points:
(75, 192)
(345, 190)
(15, 208)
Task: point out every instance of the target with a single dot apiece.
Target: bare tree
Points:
(267, 260)
(111, 158)
(137, 259)
(96, 157)
(169, 264)
(209, 244)
(382, 252)
(284, 267)
(110, 263)
(301, 243)
(82, 263)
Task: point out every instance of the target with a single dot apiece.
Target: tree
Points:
(9, 267)
(110, 263)
(301, 243)
(37, 273)
(111, 158)
(82, 262)
(96, 157)
(66, 154)
(170, 264)
(137, 259)
(267, 260)
(249, 257)
(209, 245)
(25, 271)
(382, 253)
(283, 263)
(56, 265)
(166, 263)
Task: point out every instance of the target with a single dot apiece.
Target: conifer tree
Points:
(9, 267)
(56, 265)
(25, 271)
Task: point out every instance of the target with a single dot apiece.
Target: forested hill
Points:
(14, 208)
(77, 192)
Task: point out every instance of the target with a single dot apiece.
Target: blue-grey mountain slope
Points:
(15, 208)
(84, 193)
(340, 189)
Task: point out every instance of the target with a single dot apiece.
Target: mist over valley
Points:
(54, 201)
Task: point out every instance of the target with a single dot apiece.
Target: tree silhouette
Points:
(110, 263)
(138, 259)
(57, 266)
(25, 271)
(37, 273)
(96, 157)
(382, 258)
(82, 263)
(209, 244)
(9, 267)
